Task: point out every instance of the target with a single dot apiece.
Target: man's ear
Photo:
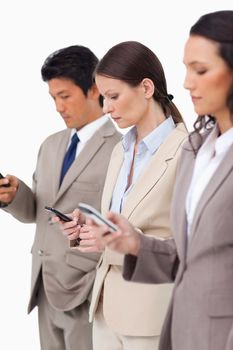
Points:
(148, 87)
(93, 92)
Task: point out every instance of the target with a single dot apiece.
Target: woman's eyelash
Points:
(200, 72)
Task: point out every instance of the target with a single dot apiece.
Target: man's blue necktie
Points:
(69, 156)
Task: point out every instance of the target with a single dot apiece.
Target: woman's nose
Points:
(107, 107)
(188, 82)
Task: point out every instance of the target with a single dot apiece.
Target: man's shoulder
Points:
(56, 136)
(108, 129)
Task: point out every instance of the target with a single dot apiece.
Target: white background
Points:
(30, 31)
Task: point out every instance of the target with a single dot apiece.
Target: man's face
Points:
(70, 102)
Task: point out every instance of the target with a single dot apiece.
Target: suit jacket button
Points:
(40, 252)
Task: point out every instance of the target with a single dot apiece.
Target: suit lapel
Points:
(179, 221)
(216, 181)
(87, 153)
(80, 163)
(59, 159)
(113, 172)
(145, 183)
(183, 181)
(154, 171)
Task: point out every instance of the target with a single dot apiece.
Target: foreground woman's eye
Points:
(201, 72)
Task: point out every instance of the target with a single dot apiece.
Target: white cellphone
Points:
(96, 216)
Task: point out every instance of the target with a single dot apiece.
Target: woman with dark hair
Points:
(139, 184)
(200, 257)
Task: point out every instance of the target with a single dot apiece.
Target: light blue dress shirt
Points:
(146, 148)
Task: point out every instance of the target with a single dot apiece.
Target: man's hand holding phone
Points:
(8, 189)
(69, 224)
(4, 182)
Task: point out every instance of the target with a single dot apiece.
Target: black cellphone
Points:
(96, 216)
(58, 213)
(5, 185)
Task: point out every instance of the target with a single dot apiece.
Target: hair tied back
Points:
(170, 97)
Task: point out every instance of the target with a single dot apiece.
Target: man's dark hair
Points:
(76, 63)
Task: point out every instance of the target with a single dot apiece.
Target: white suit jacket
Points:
(129, 307)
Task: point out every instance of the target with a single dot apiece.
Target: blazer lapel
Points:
(216, 181)
(154, 171)
(113, 172)
(179, 220)
(87, 153)
(178, 211)
(59, 157)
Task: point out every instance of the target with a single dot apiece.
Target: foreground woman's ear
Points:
(148, 87)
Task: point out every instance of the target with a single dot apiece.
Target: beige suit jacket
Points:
(200, 315)
(129, 307)
(68, 275)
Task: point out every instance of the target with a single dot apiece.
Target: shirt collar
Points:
(89, 129)
(153, 140)
(217, 144)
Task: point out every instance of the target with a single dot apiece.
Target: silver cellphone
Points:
(91, 212)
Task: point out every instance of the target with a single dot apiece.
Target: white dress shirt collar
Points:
(86, 132)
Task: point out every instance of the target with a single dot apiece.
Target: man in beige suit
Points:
(62, 279)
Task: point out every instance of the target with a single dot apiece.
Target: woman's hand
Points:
(88, 238)
(126, 240)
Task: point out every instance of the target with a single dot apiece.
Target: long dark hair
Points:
(216, 26)
(131, 62)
